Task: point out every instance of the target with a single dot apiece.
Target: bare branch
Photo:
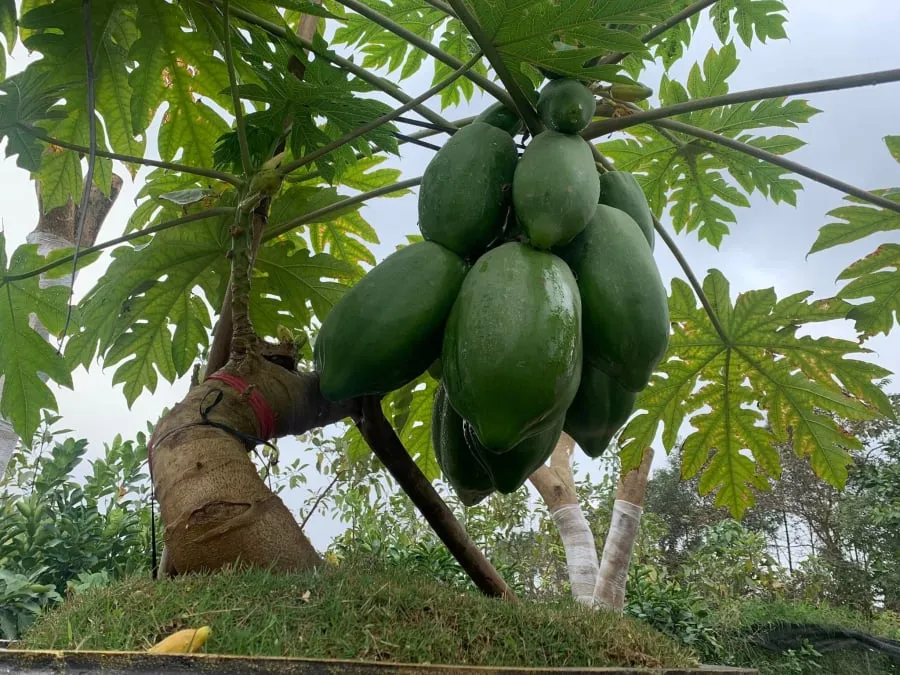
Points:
(524, 108)
(795, 167)
(671, 22)
(380, 436)
(387, 87)
(383, 119)
(428, 48)
(603, 127)
(40, 134)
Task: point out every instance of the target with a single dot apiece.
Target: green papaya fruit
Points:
(626, 310)
(621, 190)
(555, 188)
(458, 462)
(599, 410)
(500, 116)
(512, 346)
(435, 369)
(509, 471)
(387, 329)
(566, 105)
(465, 190)
(630, 92)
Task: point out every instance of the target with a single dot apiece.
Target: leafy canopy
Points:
(163, 90)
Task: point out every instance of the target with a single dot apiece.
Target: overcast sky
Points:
(766, 248)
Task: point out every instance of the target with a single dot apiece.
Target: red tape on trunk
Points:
(264, 414)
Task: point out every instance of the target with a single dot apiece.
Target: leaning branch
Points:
(428, 48)
(655, 32)
(387, 87)
(380, 436)
(209, 213)
(524, 108)
(603, 127)
(765, 156)
(130, 159)
(383, 119)
(289, 225)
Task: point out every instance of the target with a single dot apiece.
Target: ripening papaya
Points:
(512, 347)
(459, 465)
(555, 189)
(500, 116)
(465, 190)
(387, 329)
(626, 311)
(566, 105)
(509, 471)
(599, 410)
(621, 190)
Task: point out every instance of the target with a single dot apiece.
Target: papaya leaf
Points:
(689, 176)
(893, 144)
(28, 99)
(876, 276)
(762, 386)
(858, 221)
(24, 353)
(762, 18)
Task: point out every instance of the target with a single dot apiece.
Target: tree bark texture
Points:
(556, 485)
(623, 530)
(56, 229)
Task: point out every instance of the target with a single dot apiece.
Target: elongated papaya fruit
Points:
(599, 410)
(621, 190)
(512, 347)
(459, 464)
(387, 329)
(509, 471)
(465, 190)
(555, 188)
(566, 105)
(626, 310)
(500, 116)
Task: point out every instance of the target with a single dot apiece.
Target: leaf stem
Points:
(387, 117)
(444, 7)
(765, 156)
(380, 83)
(202, 215)
(692, 278)
(429, 48)
(246, 163)
(287, 226)
(131, 159)
(655, 32)
(522, 106)
(603, 127)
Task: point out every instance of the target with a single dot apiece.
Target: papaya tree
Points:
(244, 266)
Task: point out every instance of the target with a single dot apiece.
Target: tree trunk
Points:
(56, 229)
(556, 485)
(623, 530)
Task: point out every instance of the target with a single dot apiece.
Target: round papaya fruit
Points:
(509, 471)
(555, 188)
(599, 410)
(512, 347)
(458, 462)
(465, 190)
(626, 310)
(500, 116)
(387, 329)
(566, 105)
(621, 190)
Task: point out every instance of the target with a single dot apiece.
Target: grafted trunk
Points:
(623, 530)
(56, 229)
(556, 485)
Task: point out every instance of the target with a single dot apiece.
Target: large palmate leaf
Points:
(762, 385)
(688, 176)
(24, 353)
(28, 99)
(877, 276)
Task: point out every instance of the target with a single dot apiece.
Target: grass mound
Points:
(349, 613)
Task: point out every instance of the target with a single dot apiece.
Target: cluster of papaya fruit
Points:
(534, 299)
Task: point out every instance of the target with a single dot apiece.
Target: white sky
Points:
(766, 248)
